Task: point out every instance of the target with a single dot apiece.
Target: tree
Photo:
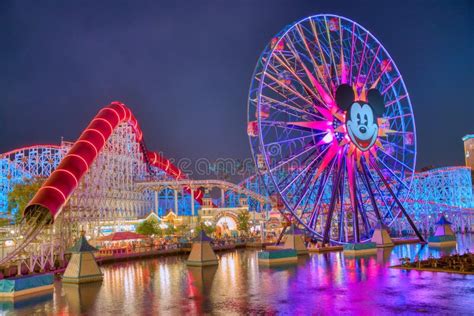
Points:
(146, 228)
(182, 229)
(149, 227)
(170, 230)
(21, 194)
(243, 222)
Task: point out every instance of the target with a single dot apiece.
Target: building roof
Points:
(468, 136)
(443, 221)
(151, 215)
(202, 237)
(380, 225)
(82, 245)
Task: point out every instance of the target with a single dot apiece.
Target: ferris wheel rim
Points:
(269, 51)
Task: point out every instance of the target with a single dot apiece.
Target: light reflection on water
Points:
(325, 283)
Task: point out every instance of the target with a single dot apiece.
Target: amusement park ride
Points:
(332, 134)
(330, 118)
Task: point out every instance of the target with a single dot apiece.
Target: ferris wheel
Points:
(331, 124)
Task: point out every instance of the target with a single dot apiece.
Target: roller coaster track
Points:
(53, 195)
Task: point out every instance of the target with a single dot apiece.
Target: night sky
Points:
(184, 68)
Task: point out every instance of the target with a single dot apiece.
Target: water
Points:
(319, 284)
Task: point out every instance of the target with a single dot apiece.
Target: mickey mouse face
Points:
(361, 116)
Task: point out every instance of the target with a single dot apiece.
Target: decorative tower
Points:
(469, 150)
(201, 252)
(381, 236)
(206, 199)
(82, 267)
(294, 240)
(444, 235)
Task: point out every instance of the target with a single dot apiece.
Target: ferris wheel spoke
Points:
(282, 95)
(352, 54)
(386, 143)
(385, 68)
(342, 63)
(391, 84)
(321, 51)
(392, 173)
(401, 207)
(295, 107)
(380, 150)
(362, 58)
(290, 159)
(332, 60)
(327, 99)
(371, 66)
(310, 53)
(313, 125)
(398, 99)
(305, 169)
(290, 140)
(400, 116)
(308, 179)
(341, 211)
(285, 64)
(365, 180)
(362, 208)
(313, 188)
(377, 187)
(313, 220)
(290, 89)
(286, 105)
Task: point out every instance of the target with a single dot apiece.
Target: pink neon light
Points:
(344, 73)
(322, 92)
(318, 125)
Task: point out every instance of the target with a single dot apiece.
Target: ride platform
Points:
(276, 257)
(26, 285)
(325, 249)
(360, 248)
(442, 241)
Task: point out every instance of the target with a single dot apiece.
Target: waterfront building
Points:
(469, 150)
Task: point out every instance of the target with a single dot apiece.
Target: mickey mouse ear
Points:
(375, 99)
(344, 96)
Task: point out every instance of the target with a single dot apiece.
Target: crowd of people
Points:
(149, 244)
